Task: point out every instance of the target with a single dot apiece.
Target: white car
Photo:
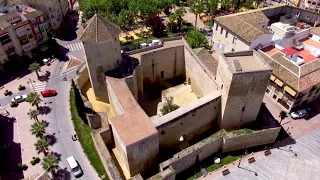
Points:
(75, 168)
(19, 98)
(299, 114)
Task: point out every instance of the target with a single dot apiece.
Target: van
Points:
(75, 168)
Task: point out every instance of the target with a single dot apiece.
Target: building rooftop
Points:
(315, 30)
(207, 59)
(244, 24)
(245, 61)
(299, 78)
(289, 51)
(134, 124)
(99, 30)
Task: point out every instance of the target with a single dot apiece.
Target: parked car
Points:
(74, 165)
(19, 98)
(299, 114)
(49, 93)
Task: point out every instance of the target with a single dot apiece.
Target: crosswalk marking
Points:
(38, 86)
(75, 46)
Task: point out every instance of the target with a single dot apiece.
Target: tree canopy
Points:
(196, 39)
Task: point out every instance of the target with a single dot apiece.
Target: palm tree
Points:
(50, 163)
(34, 99)
(38, 129)
(282, 115)
(42, 145)
(179, 13)
(35, 67)
(33, 114)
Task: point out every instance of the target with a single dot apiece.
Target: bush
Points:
(13, 104)
(168, 106)
(38, 160)
(20, 165)
(7, 92)
(21, 87)
(24, 167)
(196, 39)
(33, 162)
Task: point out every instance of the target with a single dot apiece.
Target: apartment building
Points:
(287, 39)
(54, 11)
(22, 29)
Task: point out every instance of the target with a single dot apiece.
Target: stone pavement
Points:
(282, 163)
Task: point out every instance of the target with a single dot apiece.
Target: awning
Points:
(290, 91)
(272, 78)
(278, 82)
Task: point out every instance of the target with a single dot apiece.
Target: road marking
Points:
(75, 46)
(38, 86)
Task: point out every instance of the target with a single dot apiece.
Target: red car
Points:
(48, 93)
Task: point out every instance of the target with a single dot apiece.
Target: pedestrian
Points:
(72, 137)
(290, 148)
(75, 137)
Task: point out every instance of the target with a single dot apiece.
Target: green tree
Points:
(33, 114)
(282, 116)
(91, 7)
(50, 163)
(168, 106)
(144, 9)
(197, 7)
(42, 146)
(212, 6)
(196, 39)
(34, 99)
(179, 13)
(35, 67)
(38, 129)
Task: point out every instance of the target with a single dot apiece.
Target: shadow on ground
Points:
(10, 152)
(44, 110)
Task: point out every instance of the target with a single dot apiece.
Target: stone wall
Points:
(133, 84)
(163, 64)
(188, 121)
(82, 76)
(168, 174)
(200, 78)
(101, 58)
(114, 101)
(232, 142)
(187, 157)
(221, 141)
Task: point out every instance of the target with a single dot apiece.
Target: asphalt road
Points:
(61, 126)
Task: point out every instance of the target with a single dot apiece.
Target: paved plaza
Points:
(282, 163)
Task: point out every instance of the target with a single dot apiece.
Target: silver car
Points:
(299, 114)
(19, 98)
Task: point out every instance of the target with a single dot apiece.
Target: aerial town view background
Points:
(159, 89)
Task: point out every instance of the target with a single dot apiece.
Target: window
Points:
(263, 26)
(226, 34)
(243, 108)
(221, 30)
(267, 91)
(30, 36)
(234, 40)
(232, 50)
(217, 27)
(274, 96)
(162, 74)
(222, 86)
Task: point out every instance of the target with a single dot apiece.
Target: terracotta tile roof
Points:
(244, 25)
(279, 57)
(289, 51)
(207, 59)
(310, 67)
(309, 73)
(99, 30)
(134, 124)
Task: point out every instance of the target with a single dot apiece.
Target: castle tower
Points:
(242, 78)
(102, 51)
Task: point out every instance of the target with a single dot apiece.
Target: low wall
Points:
(185, 121)
(187, 157)
(265, 136)
(107, 161)
(167, 174)
(220, 141)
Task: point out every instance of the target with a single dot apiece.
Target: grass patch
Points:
(84, 136)
(137, 40)
(242, 131)
(226, 160)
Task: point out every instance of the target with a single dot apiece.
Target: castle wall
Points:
(197, 76)
(189, 121)
(132, 83)
(100, 58)
(114, 101)
(220, 141)
(82, 77)
(257, 138)
(162, 64)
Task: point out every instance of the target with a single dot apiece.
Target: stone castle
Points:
(220, 94)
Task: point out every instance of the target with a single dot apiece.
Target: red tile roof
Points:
(289, 51)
